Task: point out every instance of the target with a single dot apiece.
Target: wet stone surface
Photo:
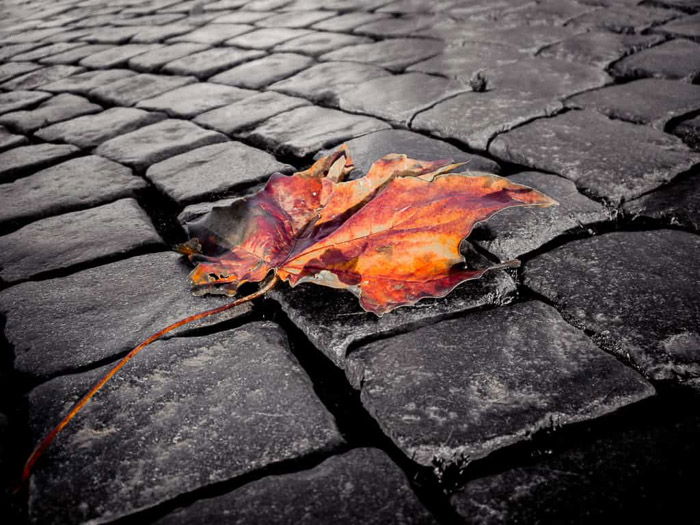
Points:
(212, 171)
(677, 204)
(457, 390)
(618, 161)
(640, 305)
(360, 485)
(74, 184)
(55, 109)
(160, 430)
(78, 237)
(24, 159)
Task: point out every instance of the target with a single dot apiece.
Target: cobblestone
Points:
(122, 122)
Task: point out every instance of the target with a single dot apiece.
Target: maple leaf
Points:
(391, 237)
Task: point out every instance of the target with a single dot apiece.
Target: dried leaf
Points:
(391, 237)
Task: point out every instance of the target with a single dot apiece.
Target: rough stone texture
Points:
(213, 34)
(334, 321)
(10, 140)
(636, 292)
(192, 412)
(92, 130)
(8, 51)
(207, 63)
(316, 44)
(13, 69)
(323, 82)
(75, 55)
(248, 112)
(16, 100)
(151, 34)
(156, 142)
(66, 323)
(458, 390)
(611, 159)
(675, 59)
(212, 171)
(360, 486)
(24, 159)
(189, 101)
(373, 146)
(599, 48)
(47, 50)
(79, 183)
(516, 93)
(646, 101)
(399, 26)
(115, 56)
(689, 131)
(677, 204)
(305, 130)
(129, 91)
(397, 98)
(259, 73)
(75, 238)
(296, 19)
(38, 78)
(110, 35)
(154, 60)
(83, 83)
(622, 19)
(688, 27)
(56, 109)
(266, 38)
(394, 54)
(514, 232)
(641, 471)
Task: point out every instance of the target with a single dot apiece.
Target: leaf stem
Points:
(48, 439)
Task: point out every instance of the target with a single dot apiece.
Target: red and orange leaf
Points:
(391, 237)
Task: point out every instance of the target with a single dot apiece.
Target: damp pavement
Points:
(566, 391)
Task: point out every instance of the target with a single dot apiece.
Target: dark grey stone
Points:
(75, 55)
(110, 35)
(66, 241)
(10, 70)
(47, 50)
(266, 38)
(373, 146)
(154, 60)
(115, 56)
(295, 19)
(212, 34)
(92, 130)
(248, 112)
(186, 413)
(56, 109)
(132, 89)
(677, 204)
(16, 100)
(641, 471)
(65, 323)
(546, 12)
(79, 183)
(349, 21)
(24, 159)
(323, 82)
(674, 59)
(191, 100)
(10, 140)
(687, 27)
(259, 73)
(599, 48)
(157, 142)
(397, 98)
(318, 43)
(611, 159)
(213, 170)
(514, 232)
(397, 26)
(83, 83)
(647, 101)
(457, 390)
(147, 35)
(206, 63)
(623, 19)
(636, 292)
(334, 321)
(241, 17)
(689, 131)
(360, 486)
(393, 54)
(305, 130)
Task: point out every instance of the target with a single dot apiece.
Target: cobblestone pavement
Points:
(563, 392)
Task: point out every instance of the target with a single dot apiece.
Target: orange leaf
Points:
(391, 237)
